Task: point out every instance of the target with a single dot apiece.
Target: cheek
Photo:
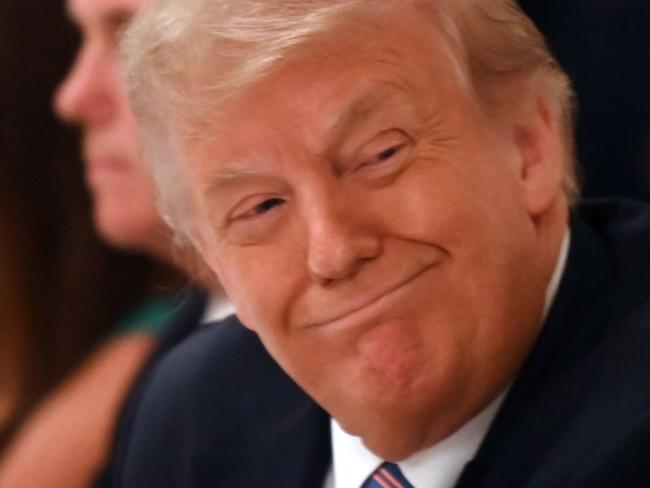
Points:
(453, 203)
(262, 282)
(477, 223)
(428, 204)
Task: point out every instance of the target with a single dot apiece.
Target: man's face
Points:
(371, 225)
(93, 97)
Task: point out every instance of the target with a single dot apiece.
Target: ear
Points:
(541, 153)
(206, 263)
(214, 279)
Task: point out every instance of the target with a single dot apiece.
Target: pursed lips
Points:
(367, 307)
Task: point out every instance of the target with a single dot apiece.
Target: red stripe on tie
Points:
(379, 480)
(390, 478)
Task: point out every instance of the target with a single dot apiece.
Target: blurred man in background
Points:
(61, 287)
(69, 436)
(93, 97)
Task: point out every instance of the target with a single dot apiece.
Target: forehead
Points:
(346, 74)
(91, 12)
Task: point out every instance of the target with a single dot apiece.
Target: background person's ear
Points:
(542, 154)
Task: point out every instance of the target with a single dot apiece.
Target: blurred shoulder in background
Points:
(79, 320)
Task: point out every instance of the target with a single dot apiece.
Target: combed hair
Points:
(498, 44)
(184, 58)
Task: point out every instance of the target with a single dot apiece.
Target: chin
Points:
(392, 431)
(395, 444)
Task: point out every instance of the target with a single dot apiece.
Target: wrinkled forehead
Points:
(330, 92)
(341, 74)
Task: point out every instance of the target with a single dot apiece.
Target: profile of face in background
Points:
(93, 97)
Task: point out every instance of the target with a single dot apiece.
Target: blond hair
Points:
(185, 57)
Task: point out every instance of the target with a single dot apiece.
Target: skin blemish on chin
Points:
(392, 352)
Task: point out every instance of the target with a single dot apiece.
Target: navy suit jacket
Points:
(219, 412)
(185, 320)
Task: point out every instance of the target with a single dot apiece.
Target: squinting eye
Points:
(389, 153)
(384, 154)
(392, 153)
(267, 205)
(255, 218)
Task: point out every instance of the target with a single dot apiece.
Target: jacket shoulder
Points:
(216, 409)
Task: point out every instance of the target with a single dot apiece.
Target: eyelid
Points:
(381, 143)
(245, 209)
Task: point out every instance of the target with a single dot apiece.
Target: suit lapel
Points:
(538, 406)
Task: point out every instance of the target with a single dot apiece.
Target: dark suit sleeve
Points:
(162, 418)
(185, 320)
(218, 411)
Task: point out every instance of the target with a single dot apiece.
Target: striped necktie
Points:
(387, 475)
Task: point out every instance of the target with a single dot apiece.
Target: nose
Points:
(341, 242)
(87, 95)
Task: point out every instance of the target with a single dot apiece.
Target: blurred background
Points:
(604, 46)
(61, 289)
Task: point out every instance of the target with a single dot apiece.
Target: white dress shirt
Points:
(440, 465)
(217, 308)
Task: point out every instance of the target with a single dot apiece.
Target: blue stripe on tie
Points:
(388, 475)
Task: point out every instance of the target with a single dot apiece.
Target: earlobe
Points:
(541, 152)
(204, 253)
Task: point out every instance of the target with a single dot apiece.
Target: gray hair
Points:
(184, 58)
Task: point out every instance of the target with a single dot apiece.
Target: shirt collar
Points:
(436, 467)
(560, 266)
(217, 308)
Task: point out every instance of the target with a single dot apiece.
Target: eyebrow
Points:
(232, 173)
(359, 110)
